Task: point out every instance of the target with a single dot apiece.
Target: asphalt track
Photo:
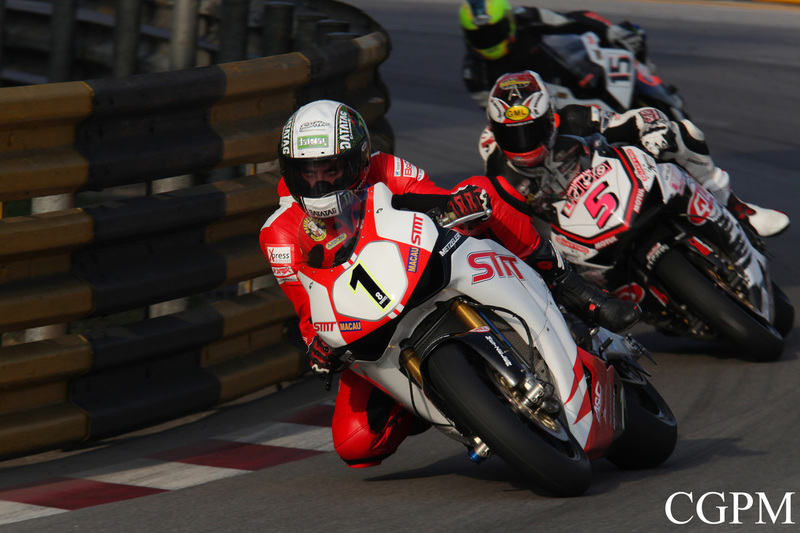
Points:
(265, 464)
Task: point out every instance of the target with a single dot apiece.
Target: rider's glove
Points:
(468, 200)
(322, 359)
(659, 139)
(625, 38)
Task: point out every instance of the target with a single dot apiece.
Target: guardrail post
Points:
(306, 35)
(126, 37)
(234, 15)
(62, 37)
(2, 33)
(183, 43)
(326, 26)
(46, 204)
(277, 19)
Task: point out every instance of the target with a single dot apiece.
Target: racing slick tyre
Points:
(651, 431)
(720, 311)
(542, 450)
(784, 311)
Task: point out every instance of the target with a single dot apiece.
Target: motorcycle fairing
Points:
(615, 198)
(576, 53)
(618, 64)
(605, 401)
(354, 299)
(602, 201)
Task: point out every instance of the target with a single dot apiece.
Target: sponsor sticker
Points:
(580, 184)
(312, 141)
(314, 125)
(286, 138)
(344, 134)
(335, 242)
(606, 242)
(517, 112)
(279, 254)
(410, 171)
(350, 325)
(416, 229)
(413, 259)
(314, 228)
(701, 206)
(563, 241)
(449, 246)
(649, 115)
(282, 271)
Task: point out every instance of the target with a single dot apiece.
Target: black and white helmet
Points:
(324, 156)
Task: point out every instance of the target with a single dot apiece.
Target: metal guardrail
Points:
(104, 258)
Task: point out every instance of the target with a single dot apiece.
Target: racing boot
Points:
(585, 300)
(765, 222)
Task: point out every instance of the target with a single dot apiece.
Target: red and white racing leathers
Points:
(368, 425)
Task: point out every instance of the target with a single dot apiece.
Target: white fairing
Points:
(619, 66)
(528, 296)
(482, 270)
(382, 261)
(601, 201)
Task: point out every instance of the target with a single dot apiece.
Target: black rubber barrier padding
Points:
(123, 346)
(123, 399)
(143, 216)
(156, 125)
(140, 273)
(148, 371)
(330, 67)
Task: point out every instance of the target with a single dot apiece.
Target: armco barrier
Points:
(104, 258)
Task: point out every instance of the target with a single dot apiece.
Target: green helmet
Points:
(489, 26)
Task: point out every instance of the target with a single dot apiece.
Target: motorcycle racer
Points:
(500, 39)
(325, 156)
(532, 144)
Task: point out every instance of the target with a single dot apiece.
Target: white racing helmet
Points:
(324, 156)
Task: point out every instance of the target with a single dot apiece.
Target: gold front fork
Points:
(411, 361)
(467, 315)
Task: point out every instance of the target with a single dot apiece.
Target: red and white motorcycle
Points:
(650, 233)
(467, 336)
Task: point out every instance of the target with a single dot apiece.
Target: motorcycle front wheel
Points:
(725, 316)
(550, 457)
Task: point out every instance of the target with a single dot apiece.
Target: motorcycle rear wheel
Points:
(784, 311)
(651, 430)
(559, 466)
(722, 314)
